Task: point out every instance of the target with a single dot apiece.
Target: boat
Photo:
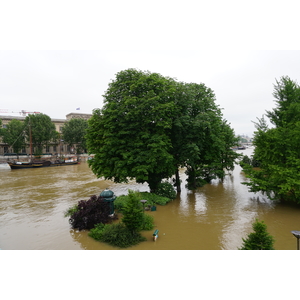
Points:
(43, 163)
(71, 160)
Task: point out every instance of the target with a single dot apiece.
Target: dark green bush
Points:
(260, 239)
(155, 199)
(152, 199)
(166, 189)
(148, 222)
(117, 235)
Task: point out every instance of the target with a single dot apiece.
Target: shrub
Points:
(260, 239)
(132, 212)
(69, 212)
(117, 235)
(97, 231)
(148, 222)
(89, 213)
(166, 189)
(120, 202)
(155, 199)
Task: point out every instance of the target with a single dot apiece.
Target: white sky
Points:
(58, 57)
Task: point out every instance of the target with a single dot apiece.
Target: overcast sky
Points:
(55, 59)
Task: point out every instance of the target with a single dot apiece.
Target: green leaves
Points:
(277, 149)
(42, 130)
(260, 239)
(150, 125)
(74, 133)
(13, 135)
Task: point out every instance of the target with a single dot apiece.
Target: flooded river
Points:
(214, 217)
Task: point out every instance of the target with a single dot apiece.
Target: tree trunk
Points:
(177, 182)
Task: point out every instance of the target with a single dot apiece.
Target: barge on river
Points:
(43, 163)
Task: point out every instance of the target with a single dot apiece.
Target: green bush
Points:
(260, 239)
(154, 199)
(166, 189)
(70, 211)
(120, 202)
(133, 212)
(97, 231)
(117, 235)
(148, 222)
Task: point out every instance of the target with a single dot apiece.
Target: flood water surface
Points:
(214, 217)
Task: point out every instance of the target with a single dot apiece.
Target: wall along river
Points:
(214, 217)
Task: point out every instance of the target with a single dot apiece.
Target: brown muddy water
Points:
(214, 217)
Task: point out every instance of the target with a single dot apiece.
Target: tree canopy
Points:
(42, 131)
(151, 125)
(278, 148)
(260, 239)
(13, 135)
(74, 132)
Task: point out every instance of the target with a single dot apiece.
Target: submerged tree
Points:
(260, 239)
(151, 125)
(130, 136)
(278, 148)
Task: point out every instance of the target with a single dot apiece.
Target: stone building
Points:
(54, 149)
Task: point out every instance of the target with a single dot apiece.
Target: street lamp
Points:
(297, 235)
(144, 201)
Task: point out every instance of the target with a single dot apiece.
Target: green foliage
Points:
(165, 189)
(148, 222)
(260, 239)
(70, 211)
(132, 212)
(130, 135)
(42, 131)
(249, 161)
(120, 202)
(74, 133)
(97, 231)
(152, 199)
(117, 235)
(151, 125)
(13, 135)
(277, 149)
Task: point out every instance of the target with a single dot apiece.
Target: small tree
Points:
(13, 135)
(260, 239)
(133, 213)
(74, 132)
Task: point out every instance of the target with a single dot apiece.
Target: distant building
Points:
(59, 123)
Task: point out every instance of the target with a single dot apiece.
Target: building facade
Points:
(61, 149)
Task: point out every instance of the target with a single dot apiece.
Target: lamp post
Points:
(297, 235)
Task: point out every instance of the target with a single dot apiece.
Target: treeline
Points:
(151, 125)
(43, 133)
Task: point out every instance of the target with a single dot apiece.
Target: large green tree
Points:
(278, 148)
(13, 135)
(152, 125)
(201, 139)
(74, 132)
(130, 136)
(41, 129)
